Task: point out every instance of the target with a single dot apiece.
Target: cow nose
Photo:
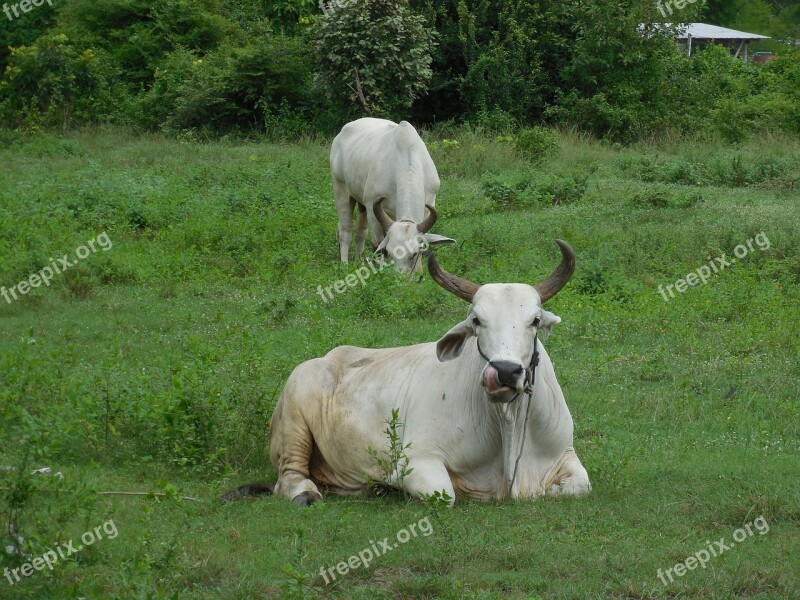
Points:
(508, 372)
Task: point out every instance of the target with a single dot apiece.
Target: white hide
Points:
(464, 439)
(373, 159)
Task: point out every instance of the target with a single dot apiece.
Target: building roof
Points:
(703, 31)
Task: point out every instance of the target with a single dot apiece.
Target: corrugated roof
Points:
(703, 31)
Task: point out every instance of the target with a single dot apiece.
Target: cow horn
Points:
(429, 222)
(382, 217)
(559, 278)
(462, 288)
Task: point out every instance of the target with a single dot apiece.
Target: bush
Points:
(610, 118)
(232, 88)
(538, 190)
(374, 53)
(537, 143)
(659, 196)
(501, 194)
(138, 34)
(494, 121)
(23, 31)
(53, 84)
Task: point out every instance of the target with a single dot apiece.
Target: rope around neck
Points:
(530, 376)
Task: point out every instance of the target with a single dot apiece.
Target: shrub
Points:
(138, 34)
(501, 194)
(537, 143)
(561, 189)
(539, 190)
(659, 196)
(495, 121)
(374, 53)
(52, 83)
(233, 87)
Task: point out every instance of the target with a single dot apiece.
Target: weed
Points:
(394, 462)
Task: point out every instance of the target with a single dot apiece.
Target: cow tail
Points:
(248, 490)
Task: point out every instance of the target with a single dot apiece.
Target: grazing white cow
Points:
(384, 168)
(482, 419)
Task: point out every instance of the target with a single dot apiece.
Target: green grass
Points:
(155, 366)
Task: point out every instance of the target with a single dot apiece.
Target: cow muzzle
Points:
(503, 378)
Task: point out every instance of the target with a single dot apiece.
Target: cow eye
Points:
(536, 322)
(476, 322)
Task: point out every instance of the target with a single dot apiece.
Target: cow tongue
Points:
(491, 380)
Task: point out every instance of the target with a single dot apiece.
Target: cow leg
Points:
(375, 228)
(344, 206)
(571, 479)
(293, 481)
(291, 444)
(428, 477)
(361, 230)
(301, 490)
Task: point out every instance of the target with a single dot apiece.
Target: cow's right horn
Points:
(462, 288)
(384, 219)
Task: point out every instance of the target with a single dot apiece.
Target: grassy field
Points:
(154, 366)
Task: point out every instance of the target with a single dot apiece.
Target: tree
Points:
(373, 53)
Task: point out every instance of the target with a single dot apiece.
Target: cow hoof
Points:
(307, 498)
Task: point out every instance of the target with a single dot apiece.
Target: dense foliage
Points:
(290, 67)
(375, 53)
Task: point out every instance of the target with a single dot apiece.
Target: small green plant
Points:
(501, 194)
(437, 501)
(395, 464)
(297, 581)
(537, 143)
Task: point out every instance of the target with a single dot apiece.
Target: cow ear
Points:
(382, 246)
(432, 239)
(549, 320)
(452, 343)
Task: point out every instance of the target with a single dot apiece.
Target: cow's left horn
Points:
(559, 278)
(427, 223)
(384, 219)
(462, 288)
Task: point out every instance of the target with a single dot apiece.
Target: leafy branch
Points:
(393, 462)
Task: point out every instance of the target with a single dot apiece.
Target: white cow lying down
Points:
(384, 168)
(470, 412)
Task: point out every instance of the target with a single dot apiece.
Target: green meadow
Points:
(154, 366)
